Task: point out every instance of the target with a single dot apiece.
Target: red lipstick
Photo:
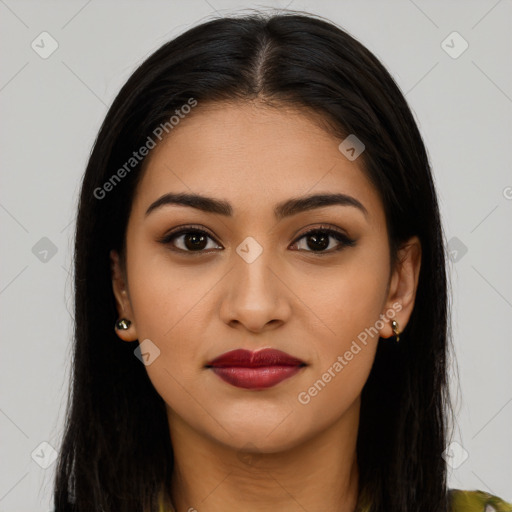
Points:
(255, 370)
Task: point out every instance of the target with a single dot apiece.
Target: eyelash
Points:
(339, 236)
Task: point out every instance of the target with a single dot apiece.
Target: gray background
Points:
(52, 109)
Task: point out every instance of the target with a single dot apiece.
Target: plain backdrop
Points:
(459, 87)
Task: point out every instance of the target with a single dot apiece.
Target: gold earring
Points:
(394, 325)
(123, 324)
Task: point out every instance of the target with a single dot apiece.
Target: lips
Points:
(255, 370)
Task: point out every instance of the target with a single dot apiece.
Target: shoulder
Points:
(476, 501)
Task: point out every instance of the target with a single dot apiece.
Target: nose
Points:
(255, 296)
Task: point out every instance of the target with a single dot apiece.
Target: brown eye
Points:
(319, 239)
(189, 240)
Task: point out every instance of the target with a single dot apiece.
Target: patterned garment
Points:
(477, 501)
(461, 501)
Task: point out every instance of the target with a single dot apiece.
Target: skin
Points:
(240, 449)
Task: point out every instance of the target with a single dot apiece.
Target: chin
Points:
(254, 433)
(260, 442)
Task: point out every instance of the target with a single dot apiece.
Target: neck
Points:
(319, 474)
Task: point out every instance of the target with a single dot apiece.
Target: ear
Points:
(123, 305)
(403, 287)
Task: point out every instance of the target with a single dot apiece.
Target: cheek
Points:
(349, 303)
(348, 299)
(162, 291)
(344, 354)
(168, 305)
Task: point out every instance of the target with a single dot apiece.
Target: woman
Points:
(259, 223)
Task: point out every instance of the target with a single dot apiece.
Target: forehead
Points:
(252, 155)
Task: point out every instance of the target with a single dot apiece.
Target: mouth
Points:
(255, 370)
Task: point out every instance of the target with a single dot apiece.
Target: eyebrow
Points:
(284, 209)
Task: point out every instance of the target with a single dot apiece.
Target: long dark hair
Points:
(116, 453)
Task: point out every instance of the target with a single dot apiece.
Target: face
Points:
(198, 284)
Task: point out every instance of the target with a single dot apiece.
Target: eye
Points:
(318, 239)
(188, 239)
(194, 240)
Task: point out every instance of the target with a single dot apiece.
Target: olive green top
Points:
(478, 501)
(461, 501)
